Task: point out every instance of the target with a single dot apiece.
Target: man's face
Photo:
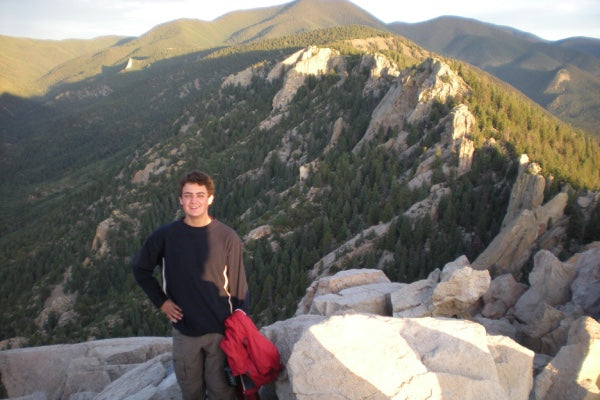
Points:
(195, 200)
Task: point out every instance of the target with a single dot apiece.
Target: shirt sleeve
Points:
(238, 285)
(149, 257)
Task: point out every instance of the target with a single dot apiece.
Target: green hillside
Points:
(78, 59)
(530, 64)
(306, 15)
(23, 61)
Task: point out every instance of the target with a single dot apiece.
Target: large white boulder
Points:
(63, 371)
(575, 371)
(362, 356)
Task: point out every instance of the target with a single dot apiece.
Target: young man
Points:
(203, 279)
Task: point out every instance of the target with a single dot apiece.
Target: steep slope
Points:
(187, 36)
(528, 63)
(30, 67)
(22, 60)
(521, 59)
(306, 15)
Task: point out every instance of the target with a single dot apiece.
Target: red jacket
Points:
(248, 351)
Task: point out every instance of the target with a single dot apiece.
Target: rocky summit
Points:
(459, 334)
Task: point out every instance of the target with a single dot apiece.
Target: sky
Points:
(86, 19)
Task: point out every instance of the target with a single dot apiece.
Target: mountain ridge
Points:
(102, 160)
(528, 63)
(519, 58)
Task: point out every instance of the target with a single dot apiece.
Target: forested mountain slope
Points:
(34, 66)
(316, 140)
(562, 76)
(25, 60)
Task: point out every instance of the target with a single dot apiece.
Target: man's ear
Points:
(210, 199)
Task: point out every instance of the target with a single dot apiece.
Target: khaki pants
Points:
(198, 363)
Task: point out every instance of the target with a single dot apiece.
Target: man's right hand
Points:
(172, 311)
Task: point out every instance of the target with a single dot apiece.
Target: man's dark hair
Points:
(200, 178)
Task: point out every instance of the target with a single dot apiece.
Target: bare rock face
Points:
(429, 205)
(441, 84)
(354, 246)
(538, 309)
(411, 97)
(310, 61)
(414, 300)
(338, 127)
(465, 156)
(105, 369)
(242, 78)
(511, 248)
(258, 232)
(454, 143)
(89, 92)
(527, 192)
(526, 223)
(549, 281)
(356, 353)
(460, 124)
(155, 167)
(59, 303)
(284, 335)
(365, 356)
(574, 372)
(371, 298)
(379, 66)
(508, 357)
(460, 292)
(100, 245)
(362, 290)
(557, 86)
(586, 286)
(502, 295)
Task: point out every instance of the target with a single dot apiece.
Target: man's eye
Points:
(189, 196)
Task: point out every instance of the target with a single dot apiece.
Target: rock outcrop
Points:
(156, 167)
(527, 192)
(105, 369)
(59, 304)
(242, 78)
(100, 244)
(358, 356)
(90, 92)
(410, 99)
(459, 124)
(512, 247)
(356, 245)
(575, 371)
(429, 205)
(358, 335)
(294, 69)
